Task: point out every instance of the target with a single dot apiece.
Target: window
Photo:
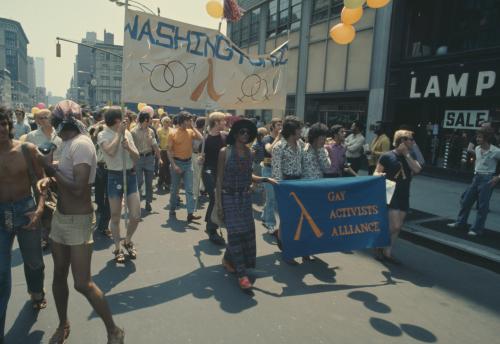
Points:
(11, 62)
(283, 16)
(454, 26)
(236, 33)
(245, 30)
(117, 81)
(254, 25)
(104, 80)
(10, 39)
(272, 19)
(323, 9)
(295, 14)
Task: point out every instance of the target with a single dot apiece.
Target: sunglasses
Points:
(243, 132)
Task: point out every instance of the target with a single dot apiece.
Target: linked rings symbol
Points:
(254, 87)
(164, 77)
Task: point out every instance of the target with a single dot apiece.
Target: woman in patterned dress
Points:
(233, 195)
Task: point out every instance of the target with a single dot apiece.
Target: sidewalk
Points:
(435, 202)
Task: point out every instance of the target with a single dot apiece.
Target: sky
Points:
(44, 20)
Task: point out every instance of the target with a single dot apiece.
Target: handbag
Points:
(51, 197)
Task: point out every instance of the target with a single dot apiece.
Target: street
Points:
(177, 292)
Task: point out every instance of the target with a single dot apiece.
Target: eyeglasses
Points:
(244, 132)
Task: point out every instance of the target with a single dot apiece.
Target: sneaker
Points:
(118, 337)
(456, 225)
(148, 207)
(270, 228)
(244, 283)
(472, 233)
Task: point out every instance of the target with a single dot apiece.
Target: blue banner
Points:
(330, 215)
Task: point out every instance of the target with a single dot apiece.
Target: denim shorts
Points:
(115, 183)
(12, 215)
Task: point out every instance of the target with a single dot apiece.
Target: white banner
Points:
(166, 62)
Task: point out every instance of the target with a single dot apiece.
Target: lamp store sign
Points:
(453, 85)
(464, 119)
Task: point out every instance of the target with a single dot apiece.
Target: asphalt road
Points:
(177, 292)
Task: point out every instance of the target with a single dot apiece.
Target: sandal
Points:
(228, 266)
(61, 334)
(117, 338)
(131, 250)
(40, 303)
(119, 256)
(244, 283)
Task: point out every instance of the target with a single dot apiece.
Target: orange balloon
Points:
(377, 3)
(351, 16)
(354, 3)
(343, 33)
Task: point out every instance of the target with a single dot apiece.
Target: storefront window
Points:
(323, 9)
(449, 26)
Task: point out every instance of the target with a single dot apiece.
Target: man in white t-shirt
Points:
(72, 223)
(117, 143)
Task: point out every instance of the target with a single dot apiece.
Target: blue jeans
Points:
(12, 219)
(268, 216)
(115, 183)
(480, 190)
(187, 176)
(145, 168)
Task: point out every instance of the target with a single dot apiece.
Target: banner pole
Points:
(124, 114)
(202, 151)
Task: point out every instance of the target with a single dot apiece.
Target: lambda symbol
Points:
(304, 213)
(208, 82)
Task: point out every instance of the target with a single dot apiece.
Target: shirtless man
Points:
(71, 234)
(19, 216)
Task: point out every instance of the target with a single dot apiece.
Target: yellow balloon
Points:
(140, 106)
(215, 9)
(377, 3)
(351, 16)
(161, 111)
(353, 3)
(34, 110)
(343, 33)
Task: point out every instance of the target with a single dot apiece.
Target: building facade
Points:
(31, 82)
(14, 58)
(97, 75)
(5, 88)
(443, 76)
(326, 82)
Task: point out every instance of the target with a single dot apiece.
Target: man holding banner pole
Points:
(399, 166)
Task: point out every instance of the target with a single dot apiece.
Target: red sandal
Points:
(244, 283)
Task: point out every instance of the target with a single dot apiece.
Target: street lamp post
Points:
(137, 5)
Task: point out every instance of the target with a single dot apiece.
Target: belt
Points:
(120, 171)
(266, 164)
(145, 154)
(183, 160)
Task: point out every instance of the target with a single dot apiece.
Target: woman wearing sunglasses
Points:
(399, 166)
(234, 202)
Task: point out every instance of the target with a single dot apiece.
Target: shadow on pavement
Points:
(370, 301)
(213, 281)
(20, 330)
(393, 330)
(113, 274)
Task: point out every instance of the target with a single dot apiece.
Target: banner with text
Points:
(166, 62)
(329, 215)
